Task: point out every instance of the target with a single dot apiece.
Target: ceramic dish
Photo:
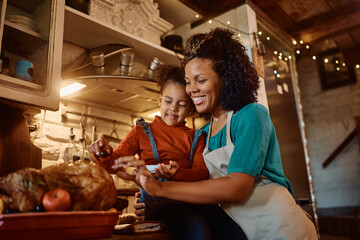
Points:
(58, 225)
(23, 21)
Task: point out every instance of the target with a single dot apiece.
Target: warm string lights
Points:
(299, 46)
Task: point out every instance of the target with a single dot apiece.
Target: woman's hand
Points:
(101, 147)
(141, 175)
(122, 163)
(164, 171)
(139, 208)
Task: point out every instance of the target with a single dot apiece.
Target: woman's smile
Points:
(198, 100)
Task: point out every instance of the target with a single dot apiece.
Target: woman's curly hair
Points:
(230, 62)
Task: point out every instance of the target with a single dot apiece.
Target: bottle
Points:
(69, 150)
(84, 153)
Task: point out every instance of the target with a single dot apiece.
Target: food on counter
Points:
(57, 199)
(6, 204)
(89, 185)
(126, 218)
(147, 226)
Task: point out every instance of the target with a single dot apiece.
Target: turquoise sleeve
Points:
(250, 132)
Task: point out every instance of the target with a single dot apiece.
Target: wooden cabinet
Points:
(31, 31)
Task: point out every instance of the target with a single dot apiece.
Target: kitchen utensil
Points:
(24, 70)
(174, 42)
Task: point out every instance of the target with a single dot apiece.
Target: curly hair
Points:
(170, 74)
(240, 81)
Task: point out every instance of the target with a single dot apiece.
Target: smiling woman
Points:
(242, 152)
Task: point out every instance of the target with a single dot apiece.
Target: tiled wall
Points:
(329, 118)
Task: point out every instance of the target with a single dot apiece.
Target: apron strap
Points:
(147, 130)
(193, 146)
(228, 138)
(228, 121)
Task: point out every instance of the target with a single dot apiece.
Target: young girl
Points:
(169, 145)
(172, 138)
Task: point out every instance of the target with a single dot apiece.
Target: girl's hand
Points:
(101, 147)
(164, 171)
(139, 208)
(122, 163)
(141, 175)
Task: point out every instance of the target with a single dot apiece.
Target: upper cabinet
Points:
(89, 32)
(31, 34)
(130, 92)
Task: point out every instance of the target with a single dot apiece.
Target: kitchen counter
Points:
(143, 236)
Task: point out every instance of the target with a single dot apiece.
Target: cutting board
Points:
(16, 149)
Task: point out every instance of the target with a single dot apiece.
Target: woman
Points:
(242, 152)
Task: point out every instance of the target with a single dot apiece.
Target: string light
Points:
(260, 33)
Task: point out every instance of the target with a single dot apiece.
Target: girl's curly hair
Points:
(231, 63)
(168, 73)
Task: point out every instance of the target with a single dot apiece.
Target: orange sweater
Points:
(173, 143)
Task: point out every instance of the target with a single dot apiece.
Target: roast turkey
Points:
(90, 186)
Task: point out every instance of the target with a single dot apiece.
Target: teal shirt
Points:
(256, 148)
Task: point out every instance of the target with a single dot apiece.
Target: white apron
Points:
(270, 212)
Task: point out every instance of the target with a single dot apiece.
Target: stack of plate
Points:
(23, 21)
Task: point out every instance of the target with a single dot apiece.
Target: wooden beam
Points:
(274, 12)
(347, 140)
(327, 25)
(325, 17)
(266, 19)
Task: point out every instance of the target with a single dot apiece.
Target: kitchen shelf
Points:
(29, 6)
(15, 35)
(19, 83)
(89, 32)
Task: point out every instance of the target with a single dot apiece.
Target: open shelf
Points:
(89, 33)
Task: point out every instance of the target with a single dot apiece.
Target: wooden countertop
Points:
(141, 236)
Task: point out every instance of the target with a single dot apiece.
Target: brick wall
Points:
(53, 133)
(329, 118)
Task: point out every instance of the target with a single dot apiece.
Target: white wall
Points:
(329, 118)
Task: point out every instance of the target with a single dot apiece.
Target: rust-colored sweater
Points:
(173, 143)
